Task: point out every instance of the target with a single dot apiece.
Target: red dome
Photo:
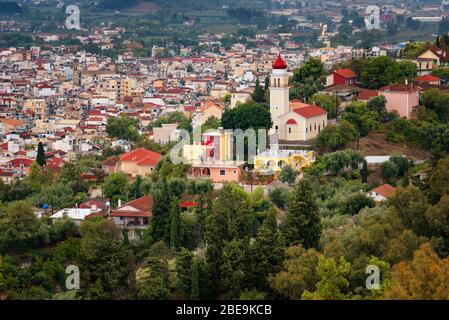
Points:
(279, 63)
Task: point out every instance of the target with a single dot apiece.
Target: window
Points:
(290, 130)
(222, 172)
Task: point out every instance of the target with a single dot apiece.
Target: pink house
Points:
(401, 98)
(218, 173)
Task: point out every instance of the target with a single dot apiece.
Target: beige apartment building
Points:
(37, 106)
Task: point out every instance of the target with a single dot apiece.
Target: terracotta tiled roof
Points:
(131, 214)
(296, 103)
(428, 78)
(367, 94)
(346, 73)
(310, 111)
(144, 205)
(141, 156)
(400, 88)
(385, 190)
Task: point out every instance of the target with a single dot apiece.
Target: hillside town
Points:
(218, 169)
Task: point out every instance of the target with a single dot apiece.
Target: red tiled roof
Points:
(310, 111)
(101, 204)
(188, 204)
(346, 73)
(18, 162)
(367, 94)
(428, 78)
(131, 214)
(143, 203)
(141, 156)
(279, 63)
(385, 190)
(400, 88)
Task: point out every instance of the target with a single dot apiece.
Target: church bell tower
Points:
(279, 92)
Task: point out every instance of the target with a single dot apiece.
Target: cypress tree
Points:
(195, 290)
(175, 225)
(184, 261)
(302, 221)
(364, 172)
(40, 157)
(258, 94)
(160, 222)
(266, 252)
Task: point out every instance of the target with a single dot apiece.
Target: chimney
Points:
(406, 81)
(119, 202)
(93, 208)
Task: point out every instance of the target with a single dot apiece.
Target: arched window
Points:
(279, 82)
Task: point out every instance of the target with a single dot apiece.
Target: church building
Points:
(293, 121)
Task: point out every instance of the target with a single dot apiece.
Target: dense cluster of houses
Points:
(63, 97)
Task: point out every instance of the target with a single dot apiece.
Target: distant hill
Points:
(10, 7)
(173, 4)
(118, 4)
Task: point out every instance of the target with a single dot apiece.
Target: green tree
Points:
(439, 180)
(123, 127)
(233, 267)
(327, 102)
(333, 282)
(383, 71)
(160, 222)
(438, 218)
(40, 157)
(105, 263)
(311, 69)
(364, 173)
(153, 282)
(288, 175)
(175, 226)
(436, 101)
(194, 276)
(18, 227)
(246, 116)
(136, 188)
(231, 218)
(266, 252)
(115, 187)
(258, 94)
(299, 273)
(184, 263)
(334, 137)
(302, 223)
